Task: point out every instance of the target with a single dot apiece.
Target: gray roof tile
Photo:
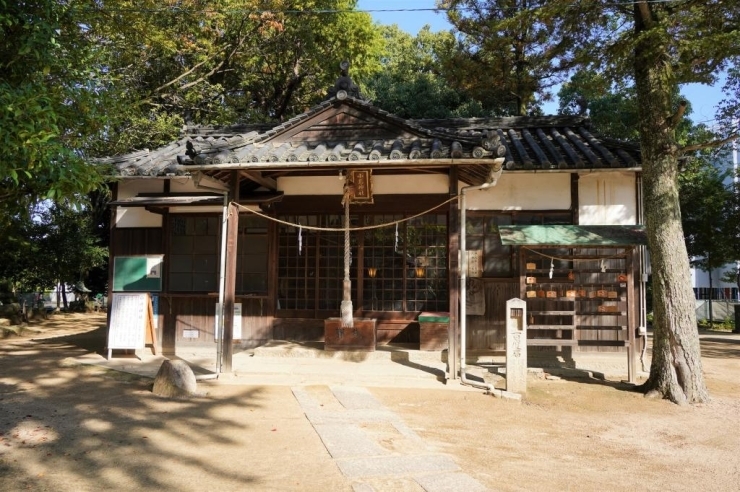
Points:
(527, 143)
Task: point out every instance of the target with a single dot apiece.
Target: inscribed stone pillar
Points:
(516, 346)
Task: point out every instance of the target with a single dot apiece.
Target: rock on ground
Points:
(175, 379)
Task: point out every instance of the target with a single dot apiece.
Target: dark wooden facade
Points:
(592, 331)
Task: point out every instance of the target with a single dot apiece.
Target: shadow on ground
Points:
(101, 428)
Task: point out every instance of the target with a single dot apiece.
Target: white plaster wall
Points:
(607, 198)
(138, 216)
(414, 184)
(514, 191)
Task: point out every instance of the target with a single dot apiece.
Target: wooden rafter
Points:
(258, 178)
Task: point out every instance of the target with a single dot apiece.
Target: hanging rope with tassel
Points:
(345, 310)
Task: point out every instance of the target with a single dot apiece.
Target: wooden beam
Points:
(232, 234)
(258, 178)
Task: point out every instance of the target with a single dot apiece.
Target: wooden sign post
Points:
(131, 324)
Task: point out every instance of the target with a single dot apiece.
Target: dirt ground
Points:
(70, 427)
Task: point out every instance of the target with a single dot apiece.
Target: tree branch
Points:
(709, 145)
(183, 75)
(674, 120)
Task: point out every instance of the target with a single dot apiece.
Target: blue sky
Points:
(411, 17)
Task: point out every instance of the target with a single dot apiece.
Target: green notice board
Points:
(137, 273)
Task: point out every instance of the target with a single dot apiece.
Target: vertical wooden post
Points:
(232, 234)
(574, 198)
(631, 310)
(453, 262)
(168, 326)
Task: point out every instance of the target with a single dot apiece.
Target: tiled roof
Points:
(382, 139)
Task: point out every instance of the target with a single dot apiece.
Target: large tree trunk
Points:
(676, 370)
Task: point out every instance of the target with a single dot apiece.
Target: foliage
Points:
(707, 212)
(49, 101)
(90, 78)
(58, 246)
(226, 61)
(510, 52)
(727, 324)
(411, 84)
(611, 108)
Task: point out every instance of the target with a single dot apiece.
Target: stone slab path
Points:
(373, 447)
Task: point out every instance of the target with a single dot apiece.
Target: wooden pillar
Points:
(167, 322)
(632, 310)
(453, 260)
(574, 198)
(232, 234)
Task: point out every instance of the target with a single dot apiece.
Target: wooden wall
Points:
(137, 241)
(488, 332)
(178, 313)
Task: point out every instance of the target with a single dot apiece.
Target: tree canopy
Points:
(228, 61)
(52, 96)
(413, 81)
(510, 59)
(91, 78)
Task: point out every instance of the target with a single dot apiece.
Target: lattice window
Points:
(408, 275)
(193, 259)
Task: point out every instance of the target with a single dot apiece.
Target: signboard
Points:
(237, 335)
(362, 179)
(137, 273)
(131, 324)
(475, 263)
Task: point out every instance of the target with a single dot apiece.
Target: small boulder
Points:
(175, 379)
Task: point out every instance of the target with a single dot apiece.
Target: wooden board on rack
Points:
(131, 323)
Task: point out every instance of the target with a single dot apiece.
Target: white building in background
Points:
(722, 291)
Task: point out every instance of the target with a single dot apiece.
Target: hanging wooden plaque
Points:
(362, 179)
